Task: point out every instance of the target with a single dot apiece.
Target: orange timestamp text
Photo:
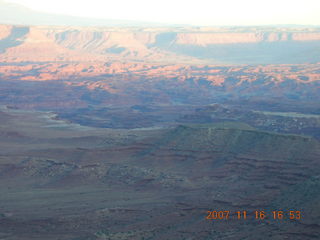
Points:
(258, 214)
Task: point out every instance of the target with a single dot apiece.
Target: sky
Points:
(194, 12)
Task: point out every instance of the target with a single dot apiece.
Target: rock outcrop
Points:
(159, 44)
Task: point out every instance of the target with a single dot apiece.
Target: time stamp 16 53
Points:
(259, 215)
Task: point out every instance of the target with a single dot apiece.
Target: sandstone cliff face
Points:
(154, 45)
(204, 39)
(4, 31)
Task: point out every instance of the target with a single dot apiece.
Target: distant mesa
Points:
(165, 45)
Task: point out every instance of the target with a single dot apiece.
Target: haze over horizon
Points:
(202, 12)
(157, 120)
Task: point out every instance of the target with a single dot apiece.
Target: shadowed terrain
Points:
(137, 132)
(65, 181)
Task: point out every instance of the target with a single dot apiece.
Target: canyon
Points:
(162, 44)
(61, 180)
(137, 132)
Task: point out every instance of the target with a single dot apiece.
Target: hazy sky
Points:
(197, 12)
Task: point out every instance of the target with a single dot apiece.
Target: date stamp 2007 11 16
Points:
(259, 214)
